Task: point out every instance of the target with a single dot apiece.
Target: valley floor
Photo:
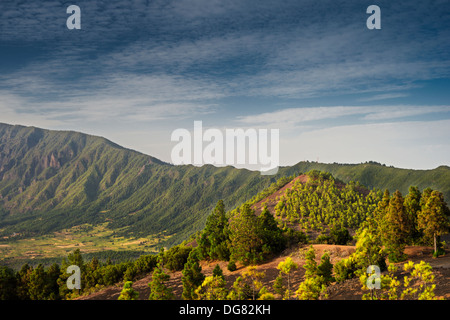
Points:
(348, 290)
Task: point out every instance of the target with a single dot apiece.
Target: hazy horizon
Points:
(237, 167)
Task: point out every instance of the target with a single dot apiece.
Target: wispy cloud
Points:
(295, 116)
(299, 57)
(385, 96)
(292, 117)
(155, 62)
(400, 111)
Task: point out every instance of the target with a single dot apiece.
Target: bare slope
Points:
(348, 290)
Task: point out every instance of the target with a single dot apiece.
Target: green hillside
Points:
(50, 180)
(54, 180)
(375, 175)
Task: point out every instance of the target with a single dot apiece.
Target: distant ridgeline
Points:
(375, 175)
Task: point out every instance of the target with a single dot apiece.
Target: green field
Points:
(88, 238)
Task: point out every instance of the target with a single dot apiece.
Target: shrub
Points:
(340, 236)
(176, 257)
(323, 238)
(128, 293)
(345, 269)
(231, 266)
(325, 268)
(294, 237)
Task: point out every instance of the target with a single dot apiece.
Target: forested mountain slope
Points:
(375, 175)
(283, 228)
(50, 180)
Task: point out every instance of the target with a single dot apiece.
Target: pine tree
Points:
(314, 285)
(128, 293)
(412, 207)
(212, 288)
(433, 219)
(278, 285)
(158, 288)
(286, 267)
(311, 288)
(8, 283)
(51, 283)
(395, 228)
(73, 258)
(269, 232)
(36, 289)
(192, 276)
(241, 290)
(23, 282)
(217, 271)
(214, 241)
(310, 265)
(90, 272)
(369, 249)
(254, 278)
(246, 243)
(381, 210)
(325, 269)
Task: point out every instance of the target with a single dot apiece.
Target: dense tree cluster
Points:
(323, 202)
(40, 283)
(243, 236)
(418, 218)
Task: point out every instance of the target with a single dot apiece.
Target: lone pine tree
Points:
(433, 219)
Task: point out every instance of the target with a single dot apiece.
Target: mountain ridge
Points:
(375, 175)
(50, 180)
(72, 177)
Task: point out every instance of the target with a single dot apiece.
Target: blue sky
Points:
(137, 70)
